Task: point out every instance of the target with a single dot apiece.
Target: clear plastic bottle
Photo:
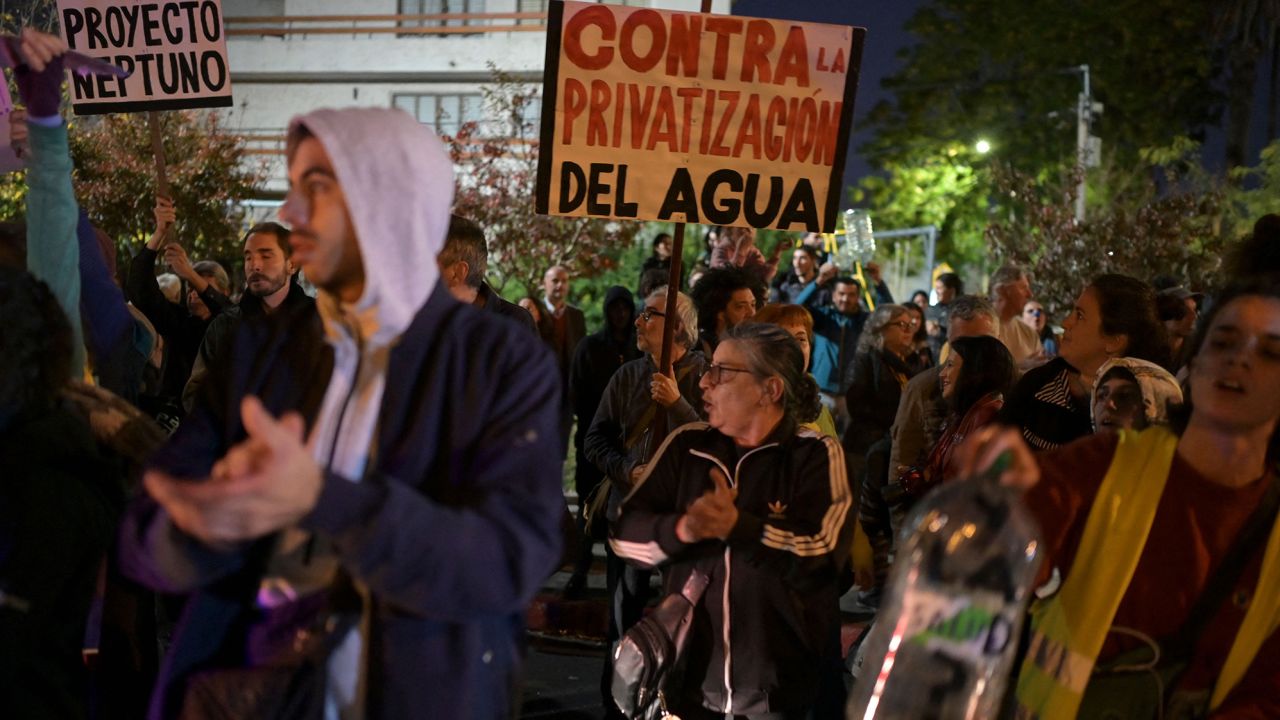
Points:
(943, 642)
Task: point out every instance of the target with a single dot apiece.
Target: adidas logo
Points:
(777, 509)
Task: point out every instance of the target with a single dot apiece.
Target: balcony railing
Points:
(271, 143)
(399, 24)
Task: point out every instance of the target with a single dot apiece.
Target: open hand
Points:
(711, 516)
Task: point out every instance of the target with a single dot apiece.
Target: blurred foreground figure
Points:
(362, 503)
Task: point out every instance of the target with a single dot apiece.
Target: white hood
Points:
(398, 182)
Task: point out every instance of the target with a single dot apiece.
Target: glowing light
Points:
(983, 147)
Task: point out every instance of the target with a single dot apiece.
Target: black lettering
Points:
(174, 37)
(169, 86)
(595, 189)
(680, 198)
(115, 27)
(149, 27)
(801, 208)
(83, 86)
(726, 213)
(73, 23)
(188, 71)
(103, 92)
(215, 58)
(92, 19)
(145, 61)
(210, 21)
(131, 16)
(190, 6)
(570, 201)
(774, 200)
(623, 208)
(124, 62)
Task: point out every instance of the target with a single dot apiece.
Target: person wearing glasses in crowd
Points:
(762, 507)
(880, 373)
(1034, 316)
(621, 440)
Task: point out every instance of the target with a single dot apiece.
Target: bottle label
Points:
(974, 627)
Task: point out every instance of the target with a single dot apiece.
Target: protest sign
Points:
(175, 50)
(691, 117)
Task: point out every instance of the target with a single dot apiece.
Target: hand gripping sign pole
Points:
(162, 174)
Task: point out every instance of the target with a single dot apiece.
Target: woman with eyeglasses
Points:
(762, 507)
(1037, 319)
(921, 357)
(1141, 526)
(880, 372)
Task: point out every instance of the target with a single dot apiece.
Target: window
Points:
(444, 113)
(438, 7)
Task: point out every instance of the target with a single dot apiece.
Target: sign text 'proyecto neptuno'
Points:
(688, 117)
(175, 50)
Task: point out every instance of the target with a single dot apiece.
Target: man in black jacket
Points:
(269, 284)
(597, 358)
(463, 262)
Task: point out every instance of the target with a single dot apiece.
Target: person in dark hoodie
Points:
(596, 359)
(270, 284)
(375, 481)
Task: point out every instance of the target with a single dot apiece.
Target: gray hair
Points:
(214, 273)
(872, 339)
(769, 350)
(970, 307)
(686, 334)
(1005, 274)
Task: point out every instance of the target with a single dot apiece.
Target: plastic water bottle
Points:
(943, 643)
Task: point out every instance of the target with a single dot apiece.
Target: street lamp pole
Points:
(1088, 146)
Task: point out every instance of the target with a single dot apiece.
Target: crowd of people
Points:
(263, 500)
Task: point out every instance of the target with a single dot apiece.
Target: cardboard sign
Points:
(689, 117)
(175, 50)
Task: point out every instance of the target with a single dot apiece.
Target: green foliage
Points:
(947, 187)
(208, 174)
(499, 162)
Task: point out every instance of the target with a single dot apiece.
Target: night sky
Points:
(883, 20)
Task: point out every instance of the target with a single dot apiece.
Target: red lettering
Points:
(718, 147)
(839, 64)
(597, 128)
(657, 40)
(640, 114)
(790, 135)
(600, 16)
(723, 28)
(620, 96)
(749, 130)
(688, 95)
(776, 115)
(755, 56)
(575, 100)
(824, 147)
(705, 136)
(682, 49)
(793, 62)
(664, 122)
(805, 123)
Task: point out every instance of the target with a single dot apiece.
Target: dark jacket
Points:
(453, 528)
(873, 399)
(492, 302)
(775, 618)
(182, 331)
(60, 500)
(1042, 406)
(223, 328)
(597, 358)
(624, 406)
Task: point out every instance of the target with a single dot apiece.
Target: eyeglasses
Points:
(905, 324)
(648, 314)
(1035, 313)
(715, 372)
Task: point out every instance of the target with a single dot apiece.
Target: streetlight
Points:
(983, 147)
